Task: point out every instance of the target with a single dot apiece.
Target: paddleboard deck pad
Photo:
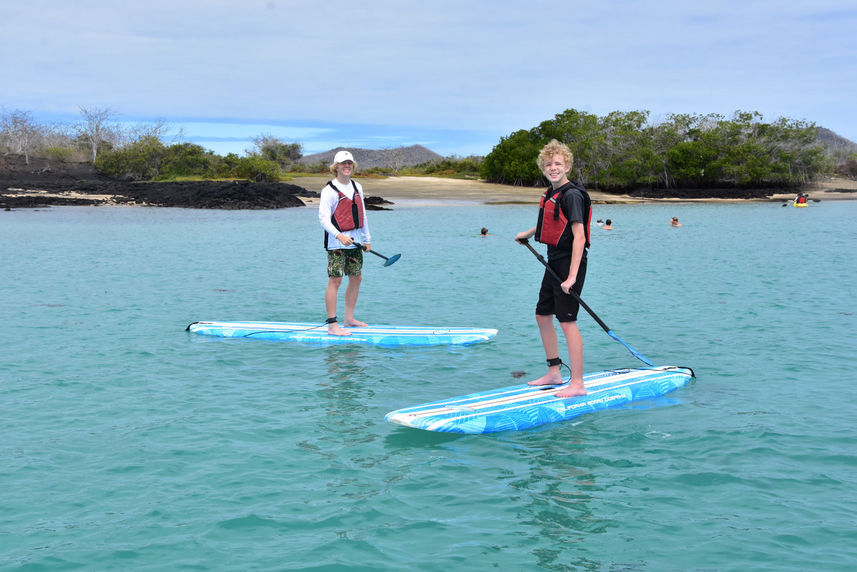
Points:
(519, 407)
(384, 336)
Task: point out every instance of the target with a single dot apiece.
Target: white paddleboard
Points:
(525, 406)
(385, 336)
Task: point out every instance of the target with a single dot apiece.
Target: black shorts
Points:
(552, 300)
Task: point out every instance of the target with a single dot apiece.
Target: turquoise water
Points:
(129, 444)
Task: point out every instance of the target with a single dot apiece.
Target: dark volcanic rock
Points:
(32, 201)
(377, 204)
(214, 194)
(190, 194)
(714, 193)
(46, 182)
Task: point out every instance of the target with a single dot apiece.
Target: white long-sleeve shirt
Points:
(327, 204)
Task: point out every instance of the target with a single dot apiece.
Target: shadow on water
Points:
(407, 437)
(559, 487)
(346, 392)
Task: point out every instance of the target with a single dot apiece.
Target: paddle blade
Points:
(392, 259)
(634, 352)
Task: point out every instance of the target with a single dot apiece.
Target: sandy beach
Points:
(433, 190)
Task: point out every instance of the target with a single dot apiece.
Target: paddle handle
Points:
(360, 246)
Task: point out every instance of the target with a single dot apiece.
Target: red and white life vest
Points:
(348, 214)
(552, 226)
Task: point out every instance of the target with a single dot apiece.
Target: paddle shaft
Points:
(360, 246)
(558, 279)
(610, 332)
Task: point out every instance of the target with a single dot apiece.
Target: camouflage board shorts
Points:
(345, 262)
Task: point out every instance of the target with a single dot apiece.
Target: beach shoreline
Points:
(433, 190)
(422, 191)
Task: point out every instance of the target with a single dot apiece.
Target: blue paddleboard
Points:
(525, 406)
(385, 336)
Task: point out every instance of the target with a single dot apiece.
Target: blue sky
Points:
(453, 75)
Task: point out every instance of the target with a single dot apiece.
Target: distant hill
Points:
(836, 144)
(384, 158)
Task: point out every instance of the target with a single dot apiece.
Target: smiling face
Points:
(556, 170)
(345, 169)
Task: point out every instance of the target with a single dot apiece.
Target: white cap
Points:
(343, 156)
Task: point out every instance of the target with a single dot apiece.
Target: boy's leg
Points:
(335, 271)
(330, 295)
(551, 345)
(351, 293)
(575, 358)
(354, 270)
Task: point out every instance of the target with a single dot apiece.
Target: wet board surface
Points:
(519, 407)
(385, 336)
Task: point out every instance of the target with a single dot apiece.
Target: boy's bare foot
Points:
(335, 330)
(354, 324)
(550, 378)
(574, 389)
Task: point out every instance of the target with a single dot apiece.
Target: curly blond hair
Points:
(554, 147)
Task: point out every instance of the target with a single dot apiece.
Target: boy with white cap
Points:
(342, 215)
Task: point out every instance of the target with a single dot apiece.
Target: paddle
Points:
(610, 333)
(388, 262)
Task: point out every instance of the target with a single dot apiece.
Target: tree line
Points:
(85, 139)
(620, 151)
(624, 151)
(149, 158)
(139, 152)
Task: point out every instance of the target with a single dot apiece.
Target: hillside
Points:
(836, 144)
(384, 158)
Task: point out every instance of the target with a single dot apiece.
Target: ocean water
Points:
(129, 444)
